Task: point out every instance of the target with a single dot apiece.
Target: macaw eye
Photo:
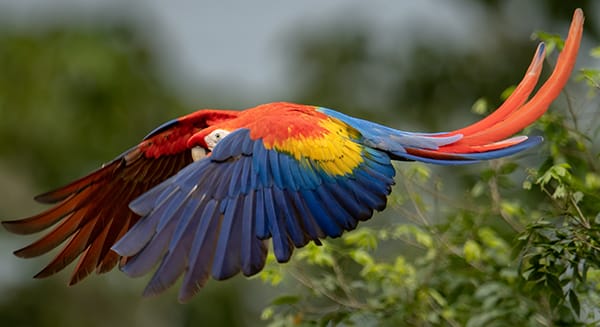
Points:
(214, 137)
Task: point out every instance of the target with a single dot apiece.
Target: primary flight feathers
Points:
(201, 195)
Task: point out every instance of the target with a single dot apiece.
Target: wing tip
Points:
(541, 49)
(49, 197)
(14, 226)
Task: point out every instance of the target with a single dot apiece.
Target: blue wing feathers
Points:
(260, 164)
(202, 251)
(167, 273)
(376, 156)
(245, 181)
(146, 202)
(153, 251)
(309, 224)
(383, 168)
(363, 196)
(326, 223)
(248, 234)
(163, 198)
(186, 178)
(235, 177)
(223, 207)
(255, 180)
(247, 144)
(138, 236)
(335, 211)
(220, 185)
(281, 243)
(254, 251)
(309, 175)
(370, 184)
(227, 254)
(260, 216)
(296, 175)
(186, 222)
(347, 199)
(176, 258)
(274, 169)
(384, 179)
(289, 218)
(287, 177)
(176, 202)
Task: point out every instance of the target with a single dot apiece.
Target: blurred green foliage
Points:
(470, 246)
(77, 94)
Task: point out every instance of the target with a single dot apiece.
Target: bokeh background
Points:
(81, 81)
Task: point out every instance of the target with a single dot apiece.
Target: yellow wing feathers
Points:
(333, 149)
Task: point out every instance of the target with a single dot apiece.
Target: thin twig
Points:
(496, 205)
(310, 285)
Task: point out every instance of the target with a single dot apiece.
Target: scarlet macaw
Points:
(202, 194)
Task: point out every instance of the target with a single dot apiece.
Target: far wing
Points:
(213, 217)
(92, 213)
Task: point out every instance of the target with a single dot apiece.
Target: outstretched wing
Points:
(213, 217)
(92, 212)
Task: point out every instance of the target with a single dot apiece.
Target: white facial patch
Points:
(214, 137)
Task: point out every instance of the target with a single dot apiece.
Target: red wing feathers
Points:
(95, 214)
(92, 213)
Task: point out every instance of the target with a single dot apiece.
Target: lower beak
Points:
(199, 153)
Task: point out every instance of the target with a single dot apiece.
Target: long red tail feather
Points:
(513, 115)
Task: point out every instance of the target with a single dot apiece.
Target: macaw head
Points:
(175, 133)
(212, 138)
(203, 142)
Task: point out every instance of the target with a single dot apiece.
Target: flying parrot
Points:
(201, 195)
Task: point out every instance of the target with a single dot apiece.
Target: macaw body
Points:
(201, 195)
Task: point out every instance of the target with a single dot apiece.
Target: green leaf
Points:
(362, 257)
(574, 301)
(267, 313)
(472, 251)
(478, 189)
(507, 92)
(483, 319)
(508, 168)
(286, 300)
(363, 237)
(560, 192)
(488, 289)
(578, 196)
(592, 180)
(480, 107)
(554, 284)
(552, 40)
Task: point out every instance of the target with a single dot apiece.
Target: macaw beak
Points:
(199, 153)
